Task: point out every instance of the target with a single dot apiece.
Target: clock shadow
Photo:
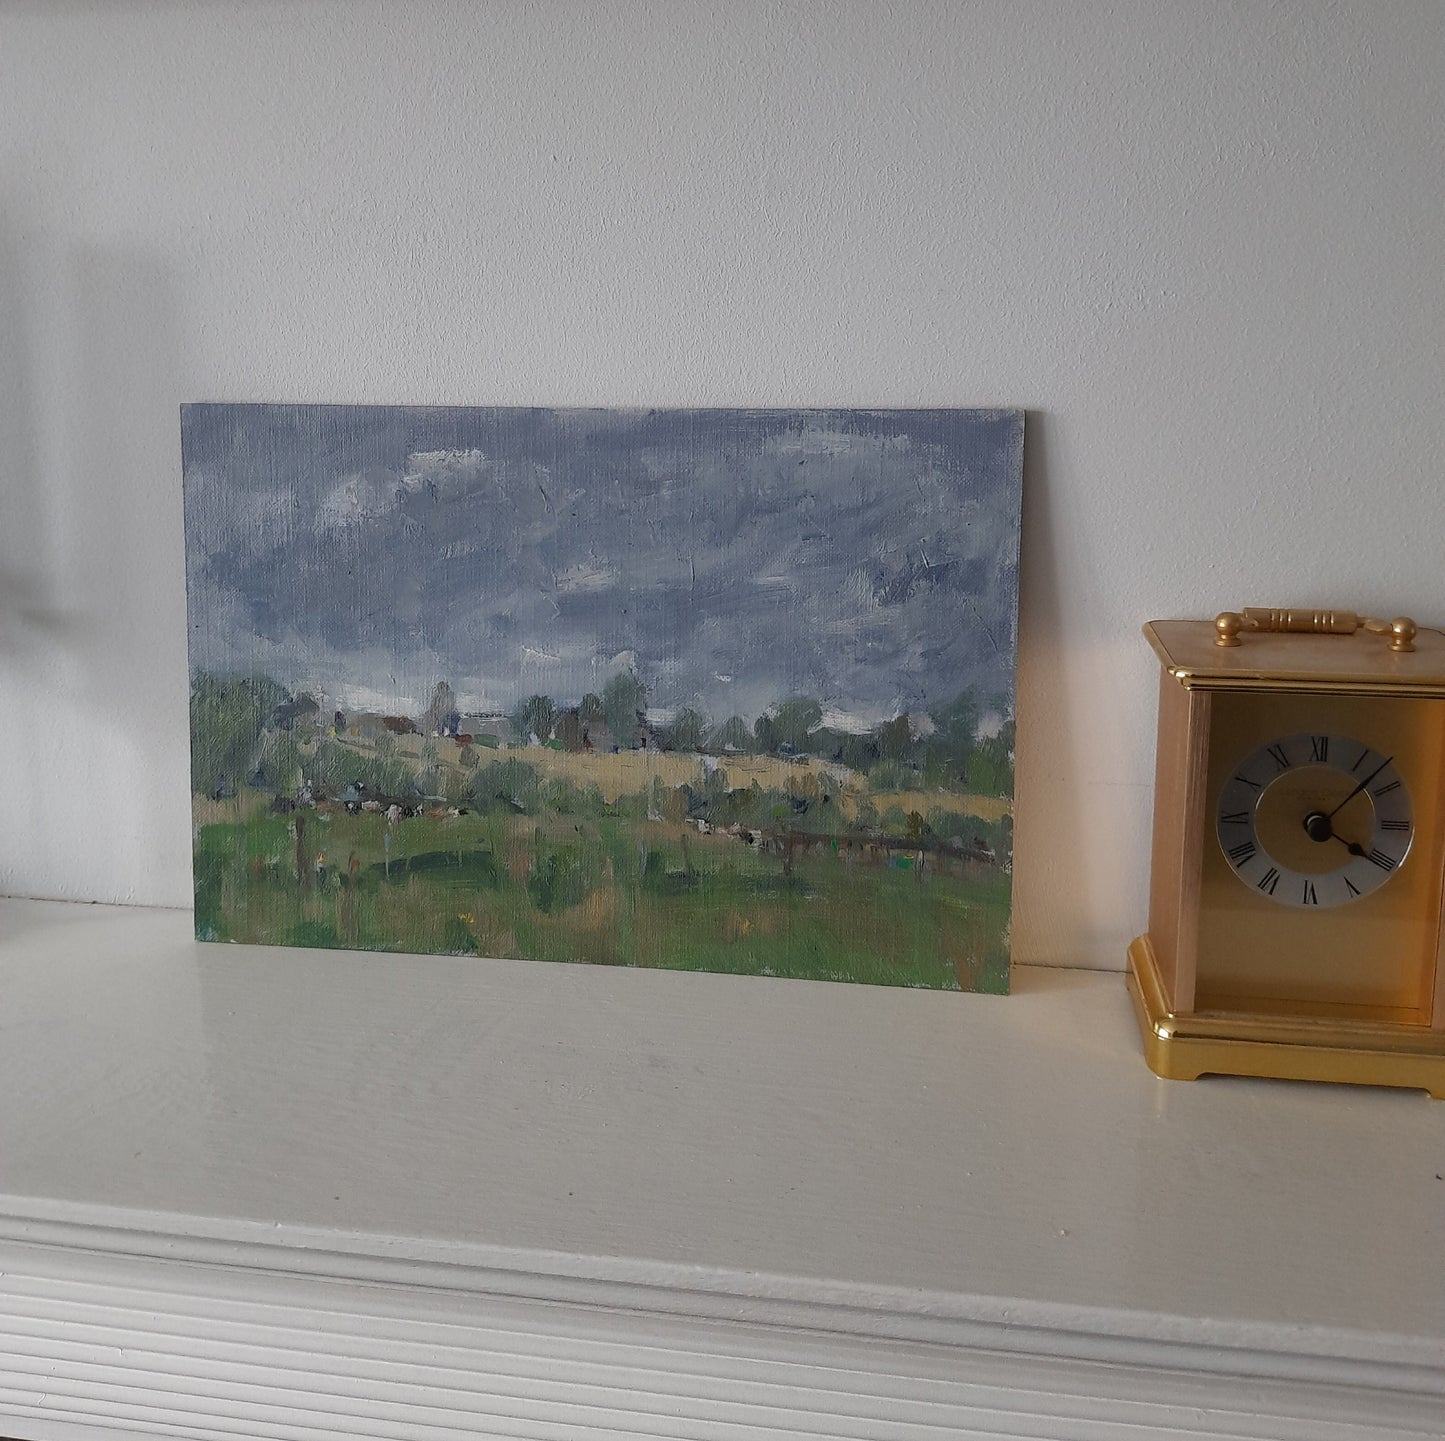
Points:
(1067, 897)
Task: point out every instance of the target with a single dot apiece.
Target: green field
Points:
(604, 889)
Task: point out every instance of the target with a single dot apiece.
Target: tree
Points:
(792, 723)
(228, 717)
(507, 786)
(623, 699)
(442, 717)
(590, 710)
(569, 730)
(857, 752)
(732, 735)
(687, 732)
(277, 763)
(895, 739)
(330, 767)
(955, 731)
(536, 716)
(991, 768)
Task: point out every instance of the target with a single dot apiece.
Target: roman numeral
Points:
(1310, 898)
(1359, 762)
(1277, 755)
(1254, 785)
(1385, 790)
(1394, 825)
(1242, 854)
(1237, 818)
(1385, 863)
(1268, 881)
(1319, 748)
(1352, 887)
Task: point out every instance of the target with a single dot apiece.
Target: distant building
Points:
(495, 730)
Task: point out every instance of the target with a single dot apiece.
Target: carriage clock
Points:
(1299, 851)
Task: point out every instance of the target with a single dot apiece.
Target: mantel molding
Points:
(249, 1347)
(997, 1326)
(251, 1194)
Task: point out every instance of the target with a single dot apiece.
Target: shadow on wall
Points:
(30, 611)
(1046, 786)
(93, 576)
(37, 623)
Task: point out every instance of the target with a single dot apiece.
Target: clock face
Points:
(1314, 820)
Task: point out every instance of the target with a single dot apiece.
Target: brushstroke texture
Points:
(723, 690)
(868, 559)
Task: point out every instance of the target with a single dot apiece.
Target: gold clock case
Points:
(1226, 980)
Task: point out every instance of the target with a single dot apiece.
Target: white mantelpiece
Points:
(250, 1192)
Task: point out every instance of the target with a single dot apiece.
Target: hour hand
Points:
(1318, 828)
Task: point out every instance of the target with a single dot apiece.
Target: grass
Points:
(605, 890)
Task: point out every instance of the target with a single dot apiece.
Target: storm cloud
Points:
(868, 559)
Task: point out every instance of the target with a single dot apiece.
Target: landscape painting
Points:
(715, 690)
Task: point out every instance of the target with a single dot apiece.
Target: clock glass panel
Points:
(1321, 872)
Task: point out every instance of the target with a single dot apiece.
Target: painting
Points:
(713, 690)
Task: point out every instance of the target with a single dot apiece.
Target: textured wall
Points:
(1201, 243)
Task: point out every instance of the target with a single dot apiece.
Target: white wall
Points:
(1201, 243)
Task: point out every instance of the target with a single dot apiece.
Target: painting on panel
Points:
(720, 690)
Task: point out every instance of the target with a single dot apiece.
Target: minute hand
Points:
(1359, 788)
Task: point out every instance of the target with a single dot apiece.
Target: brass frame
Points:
(1183, 1047)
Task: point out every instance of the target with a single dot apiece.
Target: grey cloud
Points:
(866, 558)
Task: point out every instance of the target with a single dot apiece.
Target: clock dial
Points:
(1314, 820)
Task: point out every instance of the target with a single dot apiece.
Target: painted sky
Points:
(868, 559)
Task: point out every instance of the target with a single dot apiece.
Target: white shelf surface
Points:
(257, 1192)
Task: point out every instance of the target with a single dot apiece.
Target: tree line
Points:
(232, 718)
(948, 750)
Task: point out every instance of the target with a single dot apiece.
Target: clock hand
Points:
(1359, 788)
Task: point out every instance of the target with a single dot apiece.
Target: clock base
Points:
(1182, 1046)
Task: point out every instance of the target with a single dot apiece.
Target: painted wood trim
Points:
(201, 1350)
(997, 1325)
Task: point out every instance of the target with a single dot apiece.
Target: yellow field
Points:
(986, 808)
(623, 773)
(628, 772)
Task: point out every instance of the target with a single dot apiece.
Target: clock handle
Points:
(1400, 632)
